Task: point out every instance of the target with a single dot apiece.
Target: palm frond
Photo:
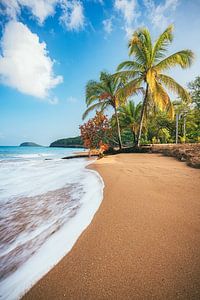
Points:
(93, 89)
(173, 86)
(147, 44)
(162, 99)
(130, 65)
(161, 44)
(100, 105)
(136, 48)
(182, 58)
(126, 75)
(132, 87)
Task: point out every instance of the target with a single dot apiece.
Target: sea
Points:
(45, 204)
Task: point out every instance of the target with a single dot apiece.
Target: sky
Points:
(49, 49)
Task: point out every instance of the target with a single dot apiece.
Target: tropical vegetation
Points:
(156, 117)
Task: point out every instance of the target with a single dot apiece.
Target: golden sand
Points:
(144, 241)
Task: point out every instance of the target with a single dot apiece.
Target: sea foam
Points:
(38, 184)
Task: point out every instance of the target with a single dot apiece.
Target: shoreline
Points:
(78, 206)
(143, 241)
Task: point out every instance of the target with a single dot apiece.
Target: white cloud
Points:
(72, 16)
(25, 64)
(128, 9)
(107, 25)
(161, 15)
(41, 9)
(10, 8)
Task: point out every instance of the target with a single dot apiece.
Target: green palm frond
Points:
(93, 90)
(147, 44)
(100, 105)
(129, 64)
(132, 87)
(173, 86)
(162, 43)
(136, 48)
(125, 75)
(182, 58)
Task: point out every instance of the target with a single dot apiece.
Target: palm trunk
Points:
(184, 127)
(118, 129)
(142, 115)
(177, 118)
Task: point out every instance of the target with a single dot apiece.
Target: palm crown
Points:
(147, 68)
(129, 115)
(102, 94)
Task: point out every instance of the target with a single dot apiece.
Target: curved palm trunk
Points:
(184, 127)
(142, 115)
(118, 129)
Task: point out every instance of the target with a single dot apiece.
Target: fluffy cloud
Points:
(161, 15)
(72, 17)
(41, 9)
(107, 25)
(128, 10)
(25, 64)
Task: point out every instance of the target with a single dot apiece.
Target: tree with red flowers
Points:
(95, 132)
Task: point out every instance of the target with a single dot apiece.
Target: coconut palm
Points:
(147, 67)
(129, 115)
(103, 94)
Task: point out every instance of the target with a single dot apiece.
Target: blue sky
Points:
(51, 48)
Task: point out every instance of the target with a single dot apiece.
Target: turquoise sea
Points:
(45, 204)
(16, 152)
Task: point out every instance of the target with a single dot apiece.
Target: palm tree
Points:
(103, 94)
(147, 67)
(129, 115)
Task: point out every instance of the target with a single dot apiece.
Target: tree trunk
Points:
(118, 129)
(142, 115)
(177, 118)
(184, 127)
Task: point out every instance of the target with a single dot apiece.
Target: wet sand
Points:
(144, 241)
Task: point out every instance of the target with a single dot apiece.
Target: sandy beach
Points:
(143, 242)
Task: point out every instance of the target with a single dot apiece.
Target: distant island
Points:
(73, 142)
(29, 144)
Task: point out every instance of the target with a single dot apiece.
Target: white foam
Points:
(59, 244)
(35, 177)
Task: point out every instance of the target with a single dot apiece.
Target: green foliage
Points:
(152, 120)
(68, 142)
(146, 70)
(29, 144)
(194, 87)
(129, 115)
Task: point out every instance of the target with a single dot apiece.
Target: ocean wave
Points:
(50, 203)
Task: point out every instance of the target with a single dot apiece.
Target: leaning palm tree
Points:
(147, 67)
(129, 115)
(103, 94)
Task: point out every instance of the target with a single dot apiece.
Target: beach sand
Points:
(144, 241)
